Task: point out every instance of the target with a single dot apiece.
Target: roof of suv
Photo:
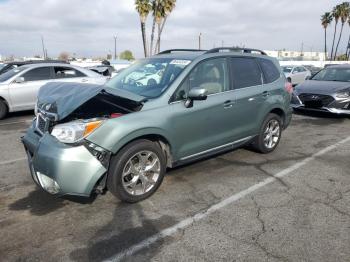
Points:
(194, 53)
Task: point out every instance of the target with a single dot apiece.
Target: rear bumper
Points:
(288, 118)
(59, 168)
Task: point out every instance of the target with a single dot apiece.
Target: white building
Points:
(297, 55)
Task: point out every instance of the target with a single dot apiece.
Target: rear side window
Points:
(67, 72)
(269, 69)
(245, 72)
(36, 74)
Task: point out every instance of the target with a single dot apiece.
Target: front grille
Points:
(42, 124)
(315, 100)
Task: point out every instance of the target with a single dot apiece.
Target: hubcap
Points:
(272, 134)
(141, 173)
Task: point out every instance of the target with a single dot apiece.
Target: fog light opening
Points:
(48, 184)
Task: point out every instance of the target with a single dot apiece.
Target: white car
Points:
(19, 87)
(296, 74)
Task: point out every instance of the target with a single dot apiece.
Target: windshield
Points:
(287, 69)
(2, 65)
(149, 77)
(6, 76)
(333, 74)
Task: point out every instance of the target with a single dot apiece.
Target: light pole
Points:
(199, 41)
(43, 46)
(115, 47)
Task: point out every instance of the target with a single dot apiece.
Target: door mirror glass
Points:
(19, 80)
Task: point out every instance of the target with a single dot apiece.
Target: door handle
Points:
(265, 94)
(84, 80)
(228, 104)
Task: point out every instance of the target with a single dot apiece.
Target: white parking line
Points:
(16, 122)
(199, 216)
(12, 161)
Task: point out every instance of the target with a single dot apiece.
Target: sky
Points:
(87, 27)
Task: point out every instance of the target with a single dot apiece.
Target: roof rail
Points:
(169, 51)
(235, 49)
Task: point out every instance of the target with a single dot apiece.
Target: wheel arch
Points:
(280, 112)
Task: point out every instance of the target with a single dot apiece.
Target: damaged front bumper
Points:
(62, 169)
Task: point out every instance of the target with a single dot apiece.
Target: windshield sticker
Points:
(180, 62)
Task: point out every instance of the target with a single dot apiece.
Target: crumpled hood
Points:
(63, 98)
(321, 87)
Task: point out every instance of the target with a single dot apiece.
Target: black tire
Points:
(258, 143)
(120, 160)
(3, 109)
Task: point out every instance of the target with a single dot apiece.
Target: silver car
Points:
(328, 90)
(19, 87)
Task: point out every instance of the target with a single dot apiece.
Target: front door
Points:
(207, 124)
(24, 95)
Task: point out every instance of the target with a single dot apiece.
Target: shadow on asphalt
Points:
(19, 114)
(129, 226)
(320, 118)
(40, 203)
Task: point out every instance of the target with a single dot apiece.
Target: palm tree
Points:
(156, 9)
(344, 11)
(336, 15)
(326, 19)
(168, 7)
(348, 43)
(143, 7)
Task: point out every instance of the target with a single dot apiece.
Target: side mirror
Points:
(307, 77)
(195, 94)
(19, 80)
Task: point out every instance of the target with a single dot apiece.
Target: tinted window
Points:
(246, 72)
(269, 69)
(41, 73)
(211, 75)
(67, 72)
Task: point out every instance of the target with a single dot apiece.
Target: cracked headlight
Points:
(74, 131)
(343, 94)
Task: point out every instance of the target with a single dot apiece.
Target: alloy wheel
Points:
(141, 173)
(272, 133)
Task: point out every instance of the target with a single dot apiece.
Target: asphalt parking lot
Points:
(290, 205)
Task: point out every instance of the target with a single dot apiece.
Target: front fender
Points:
(115, 134)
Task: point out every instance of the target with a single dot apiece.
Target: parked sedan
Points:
(19, 87)
(296, 74)
(328, 90)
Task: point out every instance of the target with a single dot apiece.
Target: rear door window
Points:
(245, 72)
(270, 71)
(66, 72)
(37, 74)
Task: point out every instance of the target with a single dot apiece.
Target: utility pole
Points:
(43, 46)
(115, 47)
(302, 49)
(222, 43)
(199, 41)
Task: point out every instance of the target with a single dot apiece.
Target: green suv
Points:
(173, 108)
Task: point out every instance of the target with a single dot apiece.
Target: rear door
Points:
(250, 95)
(69, 74)
(24, 95)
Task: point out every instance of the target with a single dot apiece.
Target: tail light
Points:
(289, 87)
(115, 115)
